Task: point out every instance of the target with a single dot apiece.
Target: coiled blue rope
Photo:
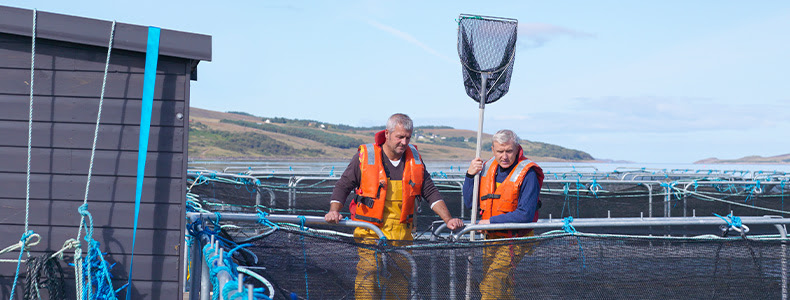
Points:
(95, 268)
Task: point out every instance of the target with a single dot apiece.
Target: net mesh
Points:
(487, 47)
(325, 266)
(638, 262)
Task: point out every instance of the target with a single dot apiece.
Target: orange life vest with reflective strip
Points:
(498, 200)
(368, 206)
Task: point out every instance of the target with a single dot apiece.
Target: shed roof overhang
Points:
(95, 32)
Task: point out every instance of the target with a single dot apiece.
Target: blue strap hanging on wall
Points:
(149, 83)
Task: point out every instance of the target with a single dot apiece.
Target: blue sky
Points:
(646, 81)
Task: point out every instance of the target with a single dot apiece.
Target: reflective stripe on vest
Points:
(369, 150)
(521, 165)
(485, 166)
(415, 154)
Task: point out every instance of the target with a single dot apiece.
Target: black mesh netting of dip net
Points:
(323, 265)
(487, 47)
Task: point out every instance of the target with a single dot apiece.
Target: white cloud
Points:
(410, 39)
(534, 35)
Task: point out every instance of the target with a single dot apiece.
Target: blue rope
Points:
(752, 189)
(265, 221)
(732, 222)
(239, 247)
(782, 189)
(96, 268)
(217, 219)
(302, 220)
(565, 202)
(23, 240)
(567, 227)
(593, 186)
(231, 292)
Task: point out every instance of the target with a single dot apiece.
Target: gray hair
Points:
(505, 136)
(400, 119)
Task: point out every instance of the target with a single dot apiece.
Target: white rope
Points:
(27, 243)
(78, 272)
(260, 278)
(30, 120)
(96, 130)
(69, 244)
(23, 241)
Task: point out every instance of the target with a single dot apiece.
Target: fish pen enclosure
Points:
(628, 233)
(577, 193)
(77, 94)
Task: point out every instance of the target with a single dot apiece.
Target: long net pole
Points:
(476, 190)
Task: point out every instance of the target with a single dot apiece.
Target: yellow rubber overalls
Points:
(372, 280)
(498, 265)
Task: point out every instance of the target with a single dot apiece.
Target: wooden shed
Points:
(70, 54)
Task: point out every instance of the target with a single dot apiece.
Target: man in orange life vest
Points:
(387, 177)
(509, 189)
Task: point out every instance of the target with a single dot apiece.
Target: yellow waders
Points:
(498, 265)
(371, 280)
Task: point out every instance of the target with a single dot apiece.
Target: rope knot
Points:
(83, 210)
(302, 220)
(595, 187)
(26, 236)
(567, 227)
(733, 223)
(262, 219)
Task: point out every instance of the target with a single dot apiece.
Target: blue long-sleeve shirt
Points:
(527, 197)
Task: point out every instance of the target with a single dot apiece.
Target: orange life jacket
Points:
(368, 206)
(497, 200)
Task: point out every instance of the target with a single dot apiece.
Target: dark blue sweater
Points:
(527, 197)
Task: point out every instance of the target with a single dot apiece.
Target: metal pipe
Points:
(649, 199)
(205, 286)
(197, 268)
(617, 222)
(285, 219)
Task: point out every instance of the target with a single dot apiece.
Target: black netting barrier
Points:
(325, 266)
(487, 47)
(646, 262)
(309, 196)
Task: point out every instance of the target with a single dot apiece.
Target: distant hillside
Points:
(779, 159)
(240, 135)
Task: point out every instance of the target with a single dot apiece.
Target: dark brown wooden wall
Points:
(68, 79)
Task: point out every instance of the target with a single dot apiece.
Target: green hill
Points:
(240, 135)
